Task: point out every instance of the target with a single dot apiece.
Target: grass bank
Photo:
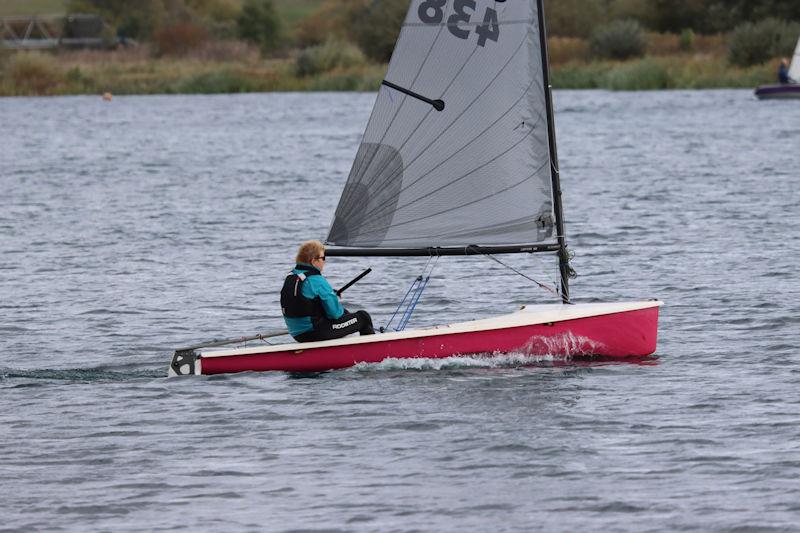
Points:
(656, 73)
(136, 72)
(233, 67)
(670, 61)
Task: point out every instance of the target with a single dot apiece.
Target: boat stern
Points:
(778, 92)
(185, 363)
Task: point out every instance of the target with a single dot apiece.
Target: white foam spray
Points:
(538, 350)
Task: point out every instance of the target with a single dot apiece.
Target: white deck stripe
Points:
(527, 316)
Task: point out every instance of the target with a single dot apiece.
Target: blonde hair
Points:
(309, 251)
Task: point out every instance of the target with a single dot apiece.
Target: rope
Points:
(413, 304)
(421, 282)
(415, 291)
(416, 297)
(539, 284)
(413, 286)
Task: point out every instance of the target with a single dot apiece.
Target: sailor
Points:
(783, 72)
(311, 308)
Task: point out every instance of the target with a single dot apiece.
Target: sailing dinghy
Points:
(785, 91)
(458, 158)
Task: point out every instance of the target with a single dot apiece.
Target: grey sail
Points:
(456, 151)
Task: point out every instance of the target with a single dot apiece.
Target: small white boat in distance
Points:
(784, 91)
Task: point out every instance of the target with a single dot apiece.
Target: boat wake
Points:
(566, 345)
(80, 375)
(455, 362)
(539, 350)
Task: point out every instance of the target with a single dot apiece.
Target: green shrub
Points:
(644, 75)
(364, 79)
(695, 72)
(338, 81)
(621, 39)
(311, 31)
(77, 82)
(686, 42)
(754, 43)
(376, 26)
(217, 16)
(579, 76)
(220, 82)
(709, 74)
(326, 57)
(33, 74)
(574, 18)
(260, 24)
(371, 79)
(4, 55)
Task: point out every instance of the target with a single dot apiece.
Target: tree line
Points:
(575, 18)
(373, 25)
(177, 25)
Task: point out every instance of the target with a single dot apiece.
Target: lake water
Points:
(129, 228)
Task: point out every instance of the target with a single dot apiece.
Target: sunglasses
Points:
(321, 258)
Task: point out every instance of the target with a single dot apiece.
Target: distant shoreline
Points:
(131, 72)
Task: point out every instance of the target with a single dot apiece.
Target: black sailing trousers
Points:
(326, 329)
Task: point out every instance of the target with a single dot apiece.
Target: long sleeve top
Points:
(314, 287)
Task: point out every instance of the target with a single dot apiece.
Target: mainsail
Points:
(457, 149)
(794, 70)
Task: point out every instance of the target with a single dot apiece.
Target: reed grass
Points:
(648, 74)
(221, 68)
(653, 73)
(327, 57)
(564, 50)
(32, 74)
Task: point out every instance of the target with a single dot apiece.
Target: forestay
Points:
(476, 171)
(794, 70)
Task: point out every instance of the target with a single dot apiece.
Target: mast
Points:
(563, 254)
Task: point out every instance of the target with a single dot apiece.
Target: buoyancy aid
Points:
(293, 303)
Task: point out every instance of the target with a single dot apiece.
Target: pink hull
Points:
(628, 334)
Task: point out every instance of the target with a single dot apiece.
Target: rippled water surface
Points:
(132, 227)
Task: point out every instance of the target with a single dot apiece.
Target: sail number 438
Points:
(432, 12)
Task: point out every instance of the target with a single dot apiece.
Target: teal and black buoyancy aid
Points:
(293, 303)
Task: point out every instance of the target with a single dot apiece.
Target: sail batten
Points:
(449, 183)
(404, 98)
(456, 207)
(444, 161)
(476, 171)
